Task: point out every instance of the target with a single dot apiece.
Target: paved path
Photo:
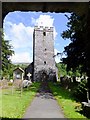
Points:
(44, 105)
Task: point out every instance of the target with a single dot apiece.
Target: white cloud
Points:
(56, 51)
(21, 57)
(20, 35)
(45, 21)
(57, 58)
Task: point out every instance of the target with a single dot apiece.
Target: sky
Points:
(19, 26)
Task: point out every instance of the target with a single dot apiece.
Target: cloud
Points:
(21, 57)
(20, 35)
(56, 51)
(57, 58)
(21, 38)
(45, 21)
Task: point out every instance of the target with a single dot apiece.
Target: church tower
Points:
(43, 51)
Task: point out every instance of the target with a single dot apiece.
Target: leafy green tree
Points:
(76, 50)
(61, 69)
(80, 91)
(6, 52)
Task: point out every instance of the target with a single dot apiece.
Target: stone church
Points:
(43, 53)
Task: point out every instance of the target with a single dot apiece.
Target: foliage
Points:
(76, 50)
(70, 73)
(61, 69)
(66, 101)
(22, 65)
(7, 66)
(80, 91)
(7, 52)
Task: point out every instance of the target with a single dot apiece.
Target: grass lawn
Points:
(14, 105)
(66, 101)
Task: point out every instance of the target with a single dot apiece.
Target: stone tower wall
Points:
(43, 50)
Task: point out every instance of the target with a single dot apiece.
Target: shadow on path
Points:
(44, 91)
(44, 105)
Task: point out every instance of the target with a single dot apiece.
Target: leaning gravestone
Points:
(17, 85)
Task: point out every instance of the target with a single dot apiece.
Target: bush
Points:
(80, 91)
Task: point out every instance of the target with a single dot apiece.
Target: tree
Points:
(61, 69)
(76, 50)
(6, 53)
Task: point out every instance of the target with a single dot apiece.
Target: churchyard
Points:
(70, 106)
(14, 99)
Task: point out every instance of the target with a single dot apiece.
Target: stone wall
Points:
(43, 50)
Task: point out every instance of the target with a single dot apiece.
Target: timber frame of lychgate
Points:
(58, 6)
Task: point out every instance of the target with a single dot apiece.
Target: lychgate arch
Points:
(81, 8)
(78, 7)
